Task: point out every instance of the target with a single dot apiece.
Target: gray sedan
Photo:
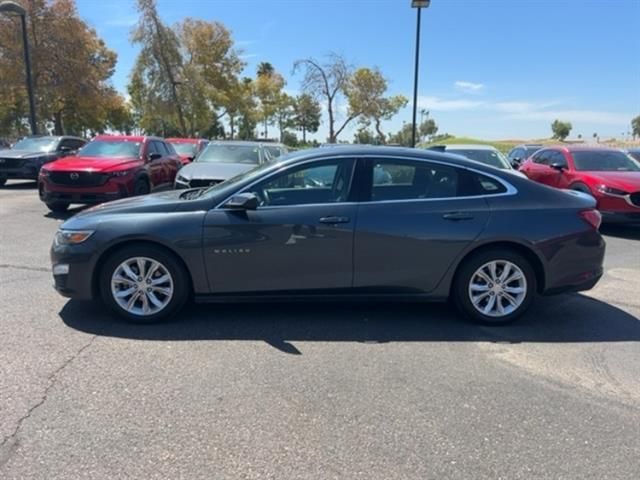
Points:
(220, 161)
(321, 224)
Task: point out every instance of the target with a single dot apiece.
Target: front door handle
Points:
(334, 219)
(457, 216)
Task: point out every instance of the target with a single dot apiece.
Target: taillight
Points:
(592, 217)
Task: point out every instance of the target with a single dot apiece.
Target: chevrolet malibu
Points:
(319, 224)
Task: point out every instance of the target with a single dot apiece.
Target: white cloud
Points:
(245, 56)
(468, 87)
(122, 21)
(525, 110)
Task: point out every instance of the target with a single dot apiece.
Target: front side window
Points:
(542, 158)
(605, 161)
(111, 148)
(220, 153)
(320, 182)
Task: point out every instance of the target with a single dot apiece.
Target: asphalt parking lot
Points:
(313, 391)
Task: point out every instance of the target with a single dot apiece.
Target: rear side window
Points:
(169, 148)
(543, 157)
(407, 180)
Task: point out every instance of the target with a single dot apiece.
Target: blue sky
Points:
(493, 69)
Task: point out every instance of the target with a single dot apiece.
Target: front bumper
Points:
(620, 218)
(24, 172)
(50, 193)
(78, 261)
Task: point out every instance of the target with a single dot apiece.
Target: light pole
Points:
(12, 8)
(419, 5)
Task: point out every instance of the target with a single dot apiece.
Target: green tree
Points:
(71, 68)
(284, 113)
(561, 130)
(307, 113)
(364, 136)
(427, 129)
(635, 127)
(268, 88)
(365, 92)
(403, 137)
(289, 139)
(159, 64)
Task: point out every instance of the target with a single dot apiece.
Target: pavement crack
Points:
(25, 267)
(10, 440)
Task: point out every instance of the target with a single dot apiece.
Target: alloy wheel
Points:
(142, 286)
(498, 288)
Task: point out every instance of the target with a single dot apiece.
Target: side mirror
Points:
(243, 201)
(516, 162)
(558, 166)
(154, 156)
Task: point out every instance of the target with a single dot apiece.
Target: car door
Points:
(155, 166)
(418, 218)
(299, 238)
(171, 163)
(555, 177)
(537, 165)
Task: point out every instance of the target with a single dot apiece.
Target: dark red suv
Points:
(107, 168)
(609, 175)
(188, 148)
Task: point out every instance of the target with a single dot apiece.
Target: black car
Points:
(24, 160)
(432, 226)
(520, 153)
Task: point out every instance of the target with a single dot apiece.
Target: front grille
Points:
(203, 183)
(635, 199)
(11, 162)
(78, 179)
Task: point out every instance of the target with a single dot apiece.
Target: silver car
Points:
(222, 160)
(480, 153)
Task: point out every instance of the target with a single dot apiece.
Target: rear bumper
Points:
(585, 281)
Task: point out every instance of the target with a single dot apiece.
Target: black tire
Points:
(179, 275)
(141, 187)
(58, 207)
(3, 180)
(466, 271)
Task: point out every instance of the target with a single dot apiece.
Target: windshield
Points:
(37, 144)
(110, 148)
(488, 157)
(635, 155)
(606, 161)
(188, 149)
(219, 153)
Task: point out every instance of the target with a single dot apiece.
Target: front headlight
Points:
(182, 179)
(612, 191)
(44, 172)
(71, 237)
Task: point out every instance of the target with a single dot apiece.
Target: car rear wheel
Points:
(141, 187)
(494, 287)
(58, 207)
(144, 284)
(3, 180)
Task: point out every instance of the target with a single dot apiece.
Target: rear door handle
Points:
(456, 216)
(333, 220)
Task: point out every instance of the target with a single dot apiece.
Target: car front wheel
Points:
(144, 284)
(58, 207)
(494, 287)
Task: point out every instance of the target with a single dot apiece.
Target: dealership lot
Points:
(312, 391)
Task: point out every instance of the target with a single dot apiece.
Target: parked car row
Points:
(71, 171)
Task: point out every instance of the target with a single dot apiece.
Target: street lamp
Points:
(12, 8)
(419, 5)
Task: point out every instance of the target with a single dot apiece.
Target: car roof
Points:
(384, 151)
(127, 138)
(185, 140)
(248, 143)
(583, 148)
(469, 146)
(56, 137)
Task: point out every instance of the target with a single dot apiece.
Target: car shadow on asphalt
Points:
(65, 215)
(26, 185)
(565, 318)
(627, 232)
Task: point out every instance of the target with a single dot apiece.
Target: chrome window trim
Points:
(511, 190)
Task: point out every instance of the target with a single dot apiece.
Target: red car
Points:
(608, 174)
(107, 168)
(188, 148)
